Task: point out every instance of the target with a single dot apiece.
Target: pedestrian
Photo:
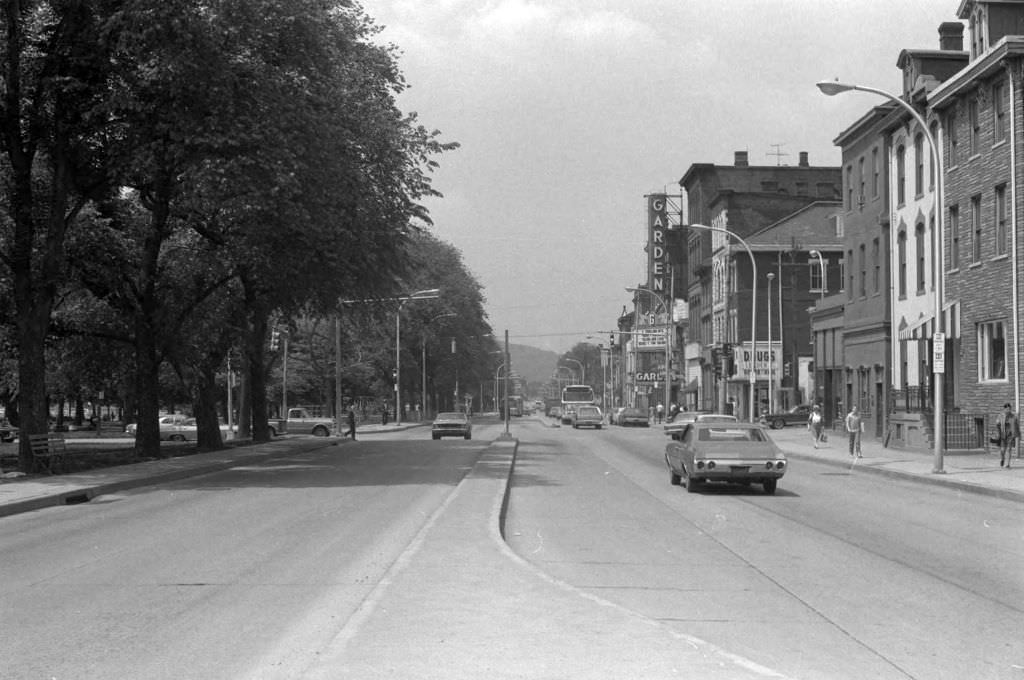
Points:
(1009, 434)
(660, 412)
(384, 415)
(351, 423)
(854, 427)
(815, 424)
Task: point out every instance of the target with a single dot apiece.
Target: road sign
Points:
(939, 353)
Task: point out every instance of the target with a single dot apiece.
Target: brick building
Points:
(743, 200)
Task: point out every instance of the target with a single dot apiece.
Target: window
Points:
(919, 246)
(954, 139)
(842, 272)
(876, 260)
(863, 182)
(991, 351)
(976, 229)
(875, 172)
(849, 187)
(954, 237)
(863, 271)
(974, 125)
(934, 127)
(999, 112)
(901, 250)
(901, 175)
(849, 273)
(919, 164)
(933, 250)
(1000, 220)
(817, 283)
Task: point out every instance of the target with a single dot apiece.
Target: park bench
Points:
(48, 450)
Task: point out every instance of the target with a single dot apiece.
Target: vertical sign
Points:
(657, 252)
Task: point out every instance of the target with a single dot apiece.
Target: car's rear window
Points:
(451, 416)
(722, 434)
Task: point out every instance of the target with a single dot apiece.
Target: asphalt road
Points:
(836, 576)
(241, 574)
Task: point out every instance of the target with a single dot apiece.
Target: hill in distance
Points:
(532, 364)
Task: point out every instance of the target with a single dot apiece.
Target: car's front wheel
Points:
(177, 437)
(778, 424)
(674, 478)
(320, 431)
(770, 486)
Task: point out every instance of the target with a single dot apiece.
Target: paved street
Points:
(382, 558)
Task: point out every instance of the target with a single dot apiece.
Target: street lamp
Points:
(428, 294)
(821, 265)
(834, 87)
(668, 341)
(583, 373)
(423, 362)
(753, 306)
(771, 392)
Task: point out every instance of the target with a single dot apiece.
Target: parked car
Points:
(176, 428)
(687, 417)
(741, 453)
(633, 417)
(797, 415)
(169, 425)
(452, 424)
(587, 416)
(555, 412)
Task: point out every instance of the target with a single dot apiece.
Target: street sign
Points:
(939, 353)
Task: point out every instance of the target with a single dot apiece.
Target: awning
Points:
(923, 328)
(691, 387)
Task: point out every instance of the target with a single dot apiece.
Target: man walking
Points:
(854, 426)
(1009, 433)
(351, 423)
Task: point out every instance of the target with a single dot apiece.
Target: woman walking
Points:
(815, 424)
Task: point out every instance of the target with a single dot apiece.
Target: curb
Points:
(934, 479)
(73, 495)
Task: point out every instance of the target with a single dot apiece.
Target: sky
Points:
(570, 112)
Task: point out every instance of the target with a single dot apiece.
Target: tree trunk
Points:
(208, 435)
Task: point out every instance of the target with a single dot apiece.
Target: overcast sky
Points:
(570, 111)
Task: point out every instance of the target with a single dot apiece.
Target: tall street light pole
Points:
(583, 373)
(753, 307)
(771, 378)
(668, 341)
(832, 88)
(428, 294)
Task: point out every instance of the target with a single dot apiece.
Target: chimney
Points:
(741, 159)
(951, 36)
(804, 163)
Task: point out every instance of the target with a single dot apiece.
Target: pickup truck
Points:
(299, 421)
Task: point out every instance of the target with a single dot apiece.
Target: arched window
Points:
(901, 251)
(920, 254)
(901, 175)
(918, 164)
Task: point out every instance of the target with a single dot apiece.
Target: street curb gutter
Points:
(945, 479)
(73, 494)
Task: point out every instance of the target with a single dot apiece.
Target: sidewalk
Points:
(974, 472)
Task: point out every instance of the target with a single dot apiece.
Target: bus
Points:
(573, 396)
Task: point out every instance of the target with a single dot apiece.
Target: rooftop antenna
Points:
(778, 153)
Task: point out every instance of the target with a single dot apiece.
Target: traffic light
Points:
(275, 339)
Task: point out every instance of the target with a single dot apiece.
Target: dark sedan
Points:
(797, 415)
(452, 425)
(741, 453)
(633, 416)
